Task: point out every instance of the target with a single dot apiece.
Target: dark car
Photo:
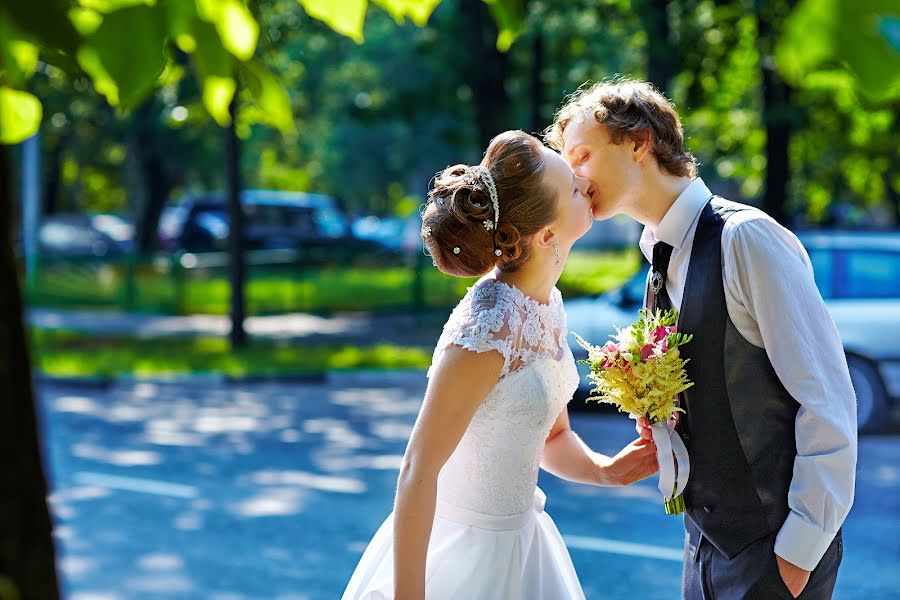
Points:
(858, 275)
(272, 220)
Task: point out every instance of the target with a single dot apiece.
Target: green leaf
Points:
(125, 56)
(215, 68)
(18, 56)
(180, 18)
(418, 11)
(45, 22)
(85, 20)
(862, 37)
(345, 17)
(272, 99)
(108, 6)
(20, 115)
(237, 28)
(510, 18)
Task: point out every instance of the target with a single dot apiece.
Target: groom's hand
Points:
(793, 576)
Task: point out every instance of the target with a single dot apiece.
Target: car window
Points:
(871, 274)
(823, 269)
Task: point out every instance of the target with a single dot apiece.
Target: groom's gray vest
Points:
(739, 425)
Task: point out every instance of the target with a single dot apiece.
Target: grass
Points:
(277, 289)
(69, 354)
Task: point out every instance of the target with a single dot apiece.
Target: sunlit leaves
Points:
(237, 28)
(108, 6)
(510, 18)
(345, 16)
(125, 56)
(418, 11)
(18, 56)
(862, 36)
(20, 115)
(272, 101)
(215, 67)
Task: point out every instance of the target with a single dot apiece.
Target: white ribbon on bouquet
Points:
(670, 450)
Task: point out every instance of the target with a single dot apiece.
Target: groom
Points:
(770, 424)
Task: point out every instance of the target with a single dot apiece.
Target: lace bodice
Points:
(494, 468)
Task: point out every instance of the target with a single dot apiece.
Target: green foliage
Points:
(858, 37)
(20, 113)
(351, 287)
(363, 118)
(69, 354)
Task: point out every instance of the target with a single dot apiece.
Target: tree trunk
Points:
(27, 555)
(662, 54)
(776, 115)
(153, 176)
(52, 187)
(538, 120)
(487, 72)
(236, 230)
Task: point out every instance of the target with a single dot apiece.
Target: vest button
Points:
(707, 509)
(686, 437)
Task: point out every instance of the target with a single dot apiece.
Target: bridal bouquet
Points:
(641, 372)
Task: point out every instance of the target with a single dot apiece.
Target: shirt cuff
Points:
(801, 543)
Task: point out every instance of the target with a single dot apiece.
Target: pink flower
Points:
(647, 351)
(610, 348)
(660, 333)
(664, 347)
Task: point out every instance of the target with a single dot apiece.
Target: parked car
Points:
(273, 220)
(84, 234)
(394, 234)
(858, 275)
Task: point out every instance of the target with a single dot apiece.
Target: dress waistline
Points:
(472, 518)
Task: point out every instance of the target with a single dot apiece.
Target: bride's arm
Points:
(566, 456)
(460, 383)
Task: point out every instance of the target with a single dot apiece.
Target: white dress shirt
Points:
(773, 301)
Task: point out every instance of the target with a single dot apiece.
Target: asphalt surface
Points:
(208, 490)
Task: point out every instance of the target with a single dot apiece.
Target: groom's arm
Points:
(769, 273)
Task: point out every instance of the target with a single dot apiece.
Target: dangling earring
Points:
(556, 250)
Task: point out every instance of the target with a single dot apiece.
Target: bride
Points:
(468, 518)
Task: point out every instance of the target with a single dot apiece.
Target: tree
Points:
(125, 49)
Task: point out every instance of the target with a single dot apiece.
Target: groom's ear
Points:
(640, 146)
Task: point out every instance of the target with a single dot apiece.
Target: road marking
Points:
(133, 484)
(616, 547)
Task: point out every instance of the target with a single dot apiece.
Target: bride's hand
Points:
(642, 425)
(634, 462)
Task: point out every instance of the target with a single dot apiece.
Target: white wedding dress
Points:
(491, 538)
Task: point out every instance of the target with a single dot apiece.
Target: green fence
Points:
(279, 281)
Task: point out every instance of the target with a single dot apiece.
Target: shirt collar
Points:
(676, 223)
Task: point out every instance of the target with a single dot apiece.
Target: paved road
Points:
(270, 491)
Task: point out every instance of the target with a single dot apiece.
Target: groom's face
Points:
(609, 167)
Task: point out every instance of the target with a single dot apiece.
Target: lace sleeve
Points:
(482, 322)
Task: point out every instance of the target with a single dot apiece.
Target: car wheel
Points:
(871, 397)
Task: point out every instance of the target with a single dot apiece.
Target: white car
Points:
(859, 277)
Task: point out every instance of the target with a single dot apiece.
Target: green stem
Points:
(675, 506)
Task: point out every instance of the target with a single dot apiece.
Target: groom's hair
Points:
(629, 109)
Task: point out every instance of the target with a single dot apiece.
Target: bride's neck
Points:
(536, 278)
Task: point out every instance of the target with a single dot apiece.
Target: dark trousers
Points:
(752, 574)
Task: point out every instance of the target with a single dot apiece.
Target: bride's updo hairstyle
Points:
(458, 219)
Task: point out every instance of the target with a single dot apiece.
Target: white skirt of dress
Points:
(477, 557)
